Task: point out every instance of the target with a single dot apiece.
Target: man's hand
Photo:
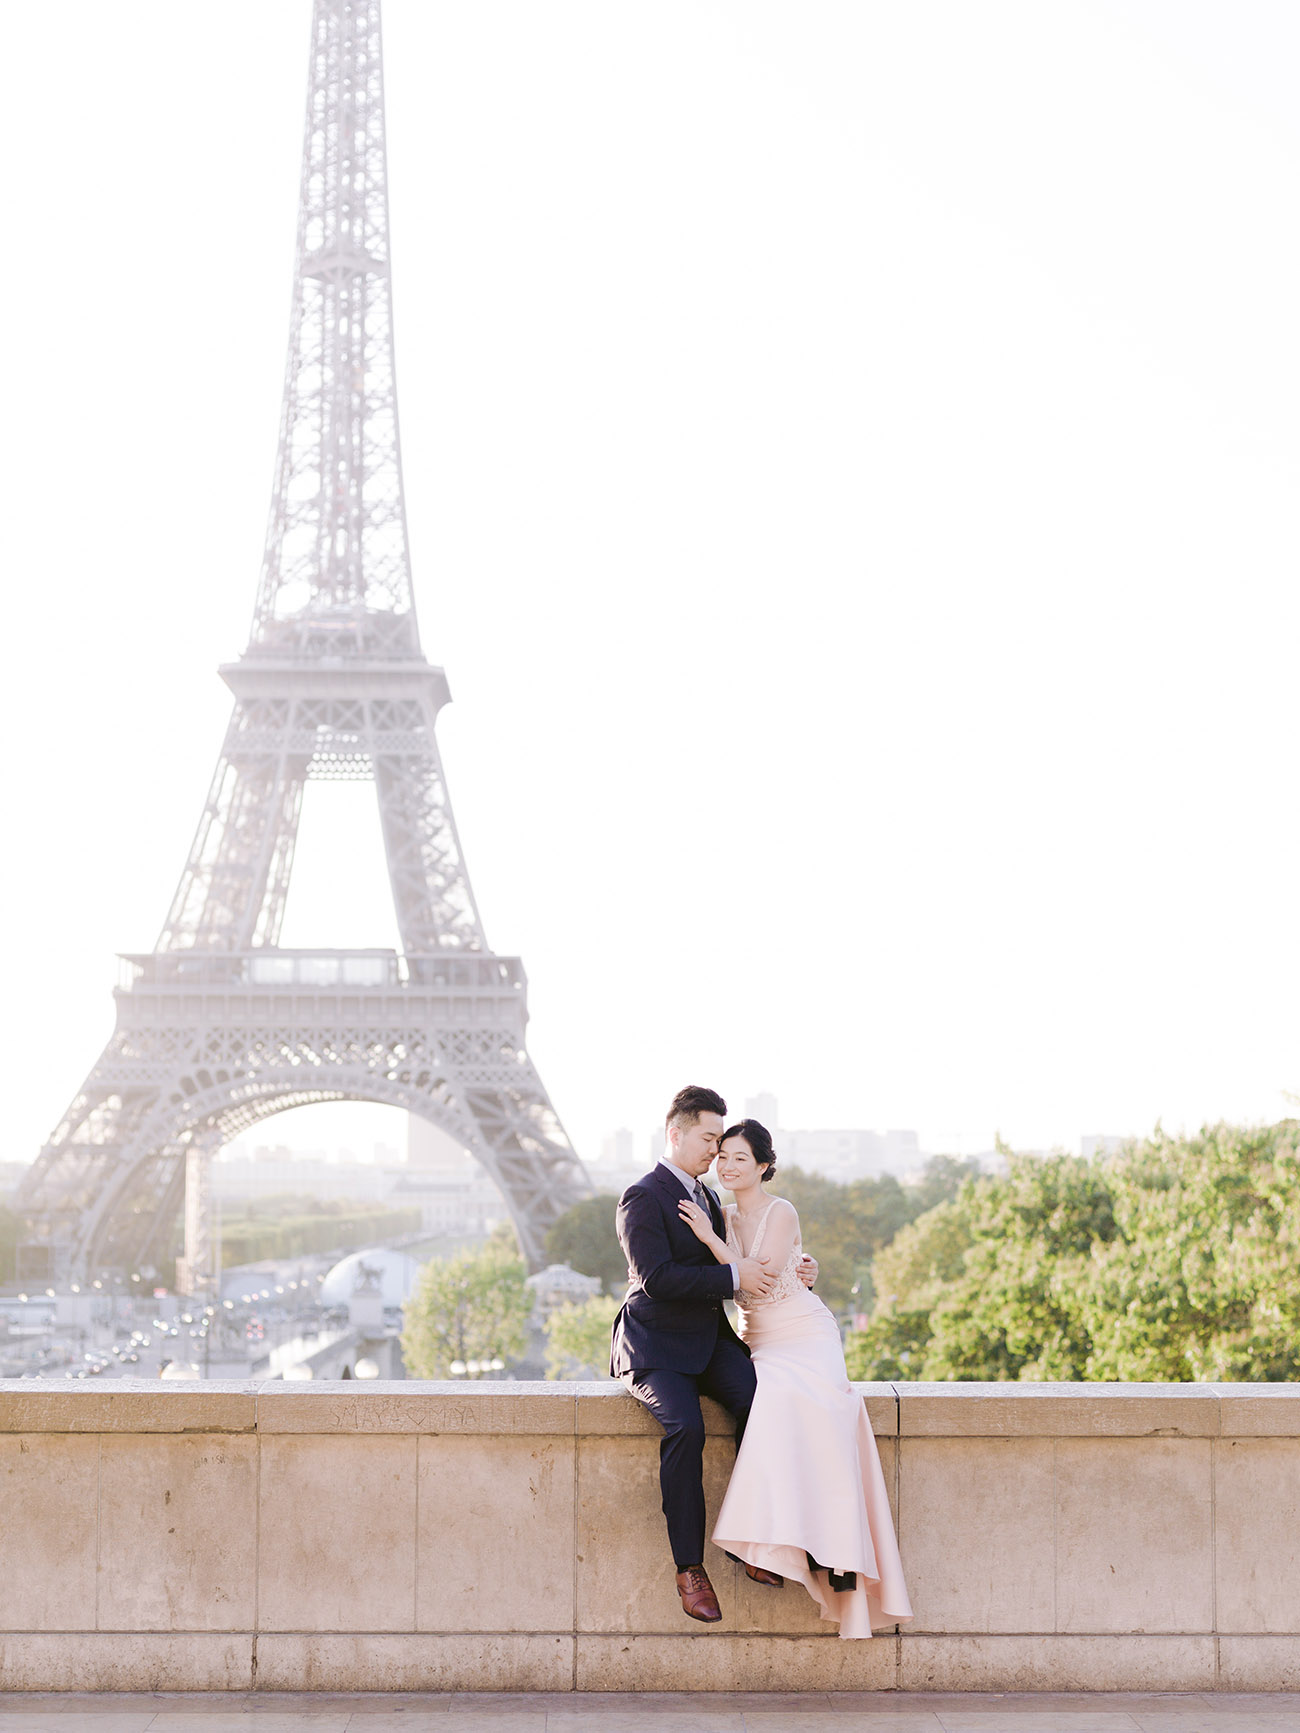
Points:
(755, 1277)
(808, 1268)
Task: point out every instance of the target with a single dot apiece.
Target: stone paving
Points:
(684, 1712)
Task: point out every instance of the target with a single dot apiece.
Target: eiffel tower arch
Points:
(220, 1027)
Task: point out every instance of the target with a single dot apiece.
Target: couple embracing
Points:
(807, 1499)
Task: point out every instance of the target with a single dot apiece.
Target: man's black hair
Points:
(691, 1102)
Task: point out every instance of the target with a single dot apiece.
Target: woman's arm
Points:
(782, 1232)
(697, 1220)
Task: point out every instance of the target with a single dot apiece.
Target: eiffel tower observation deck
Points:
(218, 1027)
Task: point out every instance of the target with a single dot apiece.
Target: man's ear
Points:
(674, 1135)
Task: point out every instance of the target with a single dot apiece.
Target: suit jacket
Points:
(672, 1316)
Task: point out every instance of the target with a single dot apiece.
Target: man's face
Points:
(694, 1146)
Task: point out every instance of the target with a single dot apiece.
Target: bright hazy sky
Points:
(851, 460)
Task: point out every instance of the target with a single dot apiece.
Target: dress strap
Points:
(760, 1231)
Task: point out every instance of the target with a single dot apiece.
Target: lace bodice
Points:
(787, 1280)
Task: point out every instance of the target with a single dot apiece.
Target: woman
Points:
(807, 1499)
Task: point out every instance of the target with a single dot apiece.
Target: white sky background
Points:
(851, 461)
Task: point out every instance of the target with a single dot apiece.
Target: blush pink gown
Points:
(807, 1477)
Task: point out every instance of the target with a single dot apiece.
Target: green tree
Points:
(893, 1345)
(473, 1306)
(940, 1180)
(1177, 1259)
(577, 1338)
(1015, 1306)
(909, 1274)
(1203, 1279)
(925, 1254)
(843, 1226)
(585, 1239)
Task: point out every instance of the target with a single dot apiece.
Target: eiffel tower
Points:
(219, 1027)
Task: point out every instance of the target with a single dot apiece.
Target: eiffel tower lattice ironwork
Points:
(218, 1027)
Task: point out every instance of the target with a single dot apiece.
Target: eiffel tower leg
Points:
(197, 1270)
(431, 890)
(232, 892)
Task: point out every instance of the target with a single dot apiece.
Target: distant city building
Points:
(460, 1201)
(428, 1147)
(272, 1172)
(619, 1164)
(618, 1148)
(558, 1286)
(836, 1154)
(465, 1207)
(845, 1155)
(763, 1108)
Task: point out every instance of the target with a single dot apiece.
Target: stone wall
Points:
(508, 1537)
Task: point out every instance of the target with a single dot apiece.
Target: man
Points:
(672, 1341)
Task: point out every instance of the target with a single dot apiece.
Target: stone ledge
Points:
(1258, 1410)
(128, 1405)
(412, 1405)
(1063, 1410)
(606, 1410)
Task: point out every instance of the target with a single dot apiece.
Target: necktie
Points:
(701, 1199)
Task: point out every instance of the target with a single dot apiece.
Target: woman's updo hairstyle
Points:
(759, 1139)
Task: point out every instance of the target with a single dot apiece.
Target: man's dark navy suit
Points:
(673, 1342)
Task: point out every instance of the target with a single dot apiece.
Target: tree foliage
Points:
(844, 1226)
(472, 1306)
(1177, 1259)
(577, 1338)
(584, 1238)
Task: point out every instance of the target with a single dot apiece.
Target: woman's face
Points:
(737, 1168)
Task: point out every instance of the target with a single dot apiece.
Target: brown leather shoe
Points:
(698, 1598)
(758, 1575)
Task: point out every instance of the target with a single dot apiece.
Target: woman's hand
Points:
(697, 1220)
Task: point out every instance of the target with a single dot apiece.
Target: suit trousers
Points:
(674, 1400)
